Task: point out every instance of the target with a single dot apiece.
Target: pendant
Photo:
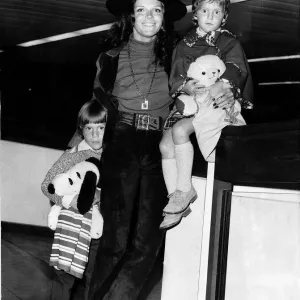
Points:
(145, 104)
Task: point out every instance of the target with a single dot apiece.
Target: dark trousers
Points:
(62, 285)
(133, 197)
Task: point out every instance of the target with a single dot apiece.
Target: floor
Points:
(25, 273)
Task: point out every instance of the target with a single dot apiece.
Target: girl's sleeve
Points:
(178, 75)
(62, 165)
(238, 72)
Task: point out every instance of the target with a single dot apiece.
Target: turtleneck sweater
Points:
(125, 89)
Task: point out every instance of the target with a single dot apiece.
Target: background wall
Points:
(22, 170)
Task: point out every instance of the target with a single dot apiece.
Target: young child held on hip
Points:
(223, 101)
(72, 235)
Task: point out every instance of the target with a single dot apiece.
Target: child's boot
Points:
(171, 220)
(180, 201)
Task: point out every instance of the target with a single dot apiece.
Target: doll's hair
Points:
(196, 4)
(91, 112)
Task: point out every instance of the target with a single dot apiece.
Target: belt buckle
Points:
(142, 122)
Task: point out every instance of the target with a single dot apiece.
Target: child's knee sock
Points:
(170, 174)
(184, 155)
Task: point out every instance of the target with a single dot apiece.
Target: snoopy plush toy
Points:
(81, 180)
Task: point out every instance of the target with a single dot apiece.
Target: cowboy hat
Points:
(174, 9)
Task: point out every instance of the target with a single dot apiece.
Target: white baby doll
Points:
(208, 122)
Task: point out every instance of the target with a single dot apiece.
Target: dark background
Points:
(43, 87)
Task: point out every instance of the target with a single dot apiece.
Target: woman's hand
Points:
(222, 95)
(97, 196)
(192, 88)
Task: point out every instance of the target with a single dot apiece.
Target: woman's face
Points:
(148, 15)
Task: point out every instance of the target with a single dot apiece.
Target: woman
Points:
(132, 82)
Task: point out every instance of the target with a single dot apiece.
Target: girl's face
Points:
(209, 16)
(93, 134)
(148, 15)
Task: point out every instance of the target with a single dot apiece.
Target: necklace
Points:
(145, 104)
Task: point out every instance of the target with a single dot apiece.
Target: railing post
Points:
(202, 283)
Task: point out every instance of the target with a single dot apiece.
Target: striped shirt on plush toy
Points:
(71, 242)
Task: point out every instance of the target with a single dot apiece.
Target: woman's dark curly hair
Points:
(165, 42)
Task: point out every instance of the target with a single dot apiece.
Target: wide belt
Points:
(141, 121)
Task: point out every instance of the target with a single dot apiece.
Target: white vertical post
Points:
(202, 283)
(183, 252)
(187, 247)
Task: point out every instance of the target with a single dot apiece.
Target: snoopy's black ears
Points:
(51, 189)
(87, 192)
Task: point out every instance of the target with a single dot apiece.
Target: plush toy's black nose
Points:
(51, 188)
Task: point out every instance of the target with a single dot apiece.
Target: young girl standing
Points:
(72, 238)
(208, 37)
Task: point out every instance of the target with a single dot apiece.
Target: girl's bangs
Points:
(95, 119)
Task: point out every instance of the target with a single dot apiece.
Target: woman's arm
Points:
(104, 80)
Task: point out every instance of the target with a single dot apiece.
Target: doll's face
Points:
(208, 76)
(93, 134)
